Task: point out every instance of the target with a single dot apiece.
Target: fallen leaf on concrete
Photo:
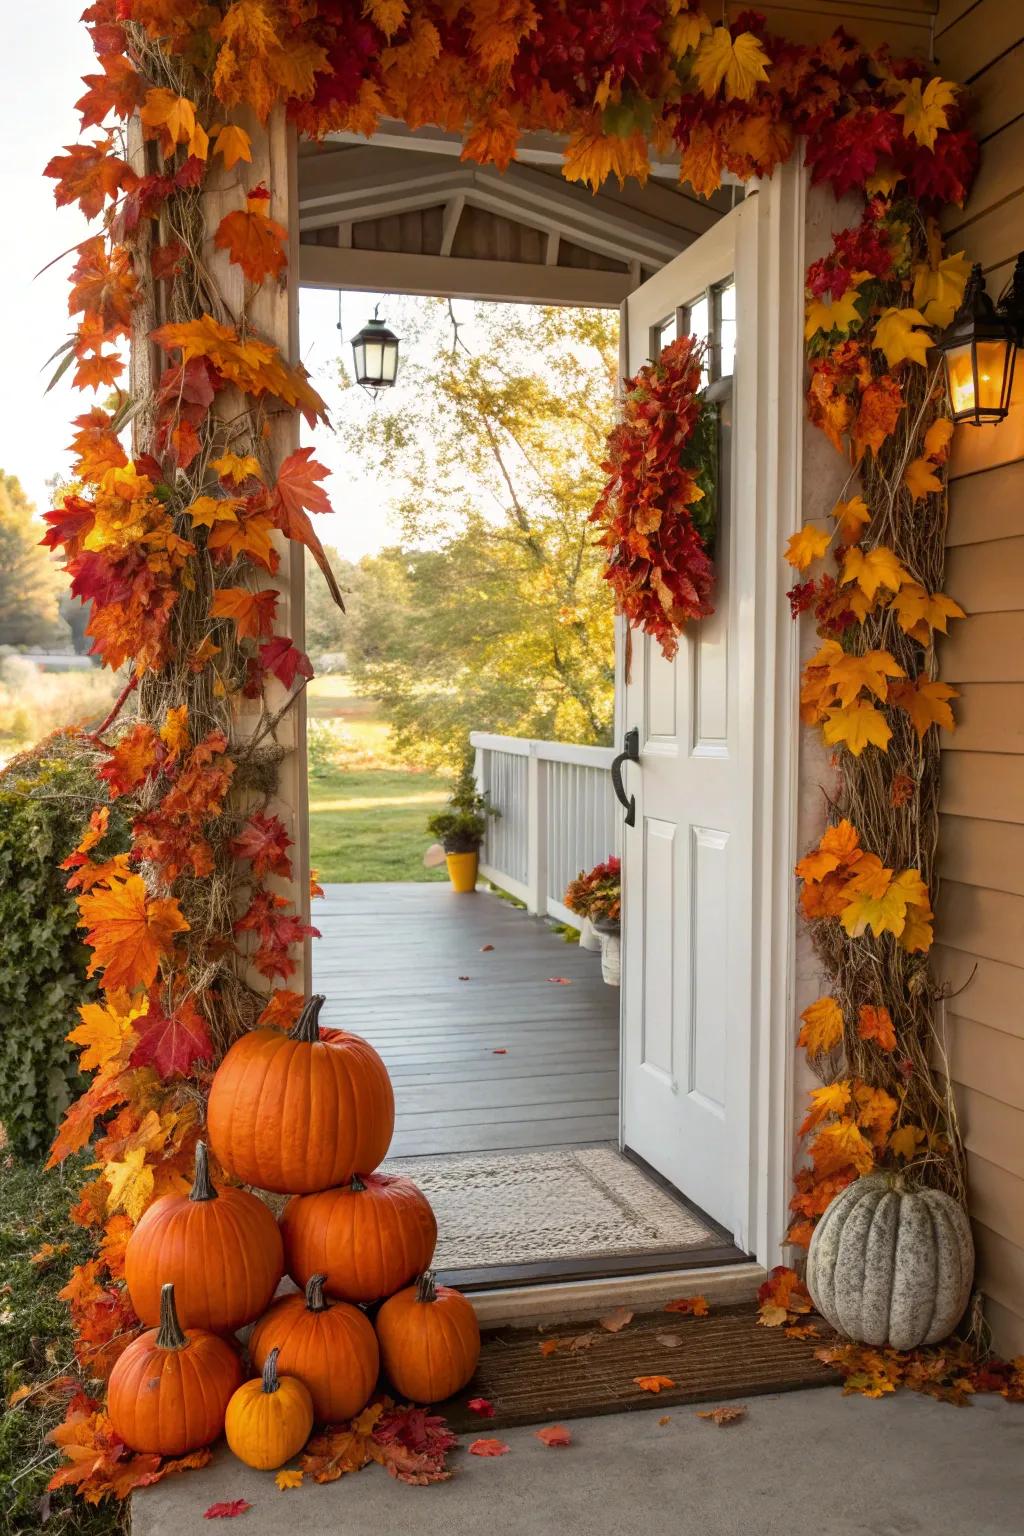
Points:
(485, 949)
(488, 1448)
(666, 1418)
(288, 1477)
(729, 1414)
(669, 1340)
(689, 1306)
(554, 1435)
(616, 1320)
(500, 1050)
(463, 978)
(227, 1510)
(482, 1406)
(653, 1383)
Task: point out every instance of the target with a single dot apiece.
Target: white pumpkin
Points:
(891, 1265)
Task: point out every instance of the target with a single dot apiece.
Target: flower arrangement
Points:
(597, 895)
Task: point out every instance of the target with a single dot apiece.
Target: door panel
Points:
(686, 861)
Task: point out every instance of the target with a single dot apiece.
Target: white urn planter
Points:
(611, 953)
(891, 1265)
(589, 936)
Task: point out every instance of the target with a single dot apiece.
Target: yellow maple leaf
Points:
(873, 568)
(918, 934)
(896, 335)
(851, 517)
(130, 1182)
(937, 439)
(174, 732)
(822, 1028)
(593, 157)
(288, 1477)
(849, 674)
(856, 726)
(920, 478)
(905, 1142)
(233, 467)
(939, 288)
(875, 1111)
(924, 108)
(827, 314)
(205, 511)
(927, 704)
(685, 29)
(841, 1145)
(168, 116)
(884, 180)
(232, 143)
(103, 1033)
(388, 15)
(882, 914)
(806, 546)
(832, 1099)
(739, 64)
(919, 612)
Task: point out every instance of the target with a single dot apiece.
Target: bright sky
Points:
(44, 51)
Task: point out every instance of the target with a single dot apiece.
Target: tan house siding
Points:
(981, 902)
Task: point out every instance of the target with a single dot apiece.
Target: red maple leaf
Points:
(296, 494)
(276, 930)
(482, 1406)
(284, 660)
(172, 1043)
(227, 1509)
(264, 842)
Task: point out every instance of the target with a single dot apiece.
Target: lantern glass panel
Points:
(389, 365)
(373, 359)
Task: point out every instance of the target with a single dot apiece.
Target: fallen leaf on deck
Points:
(669, 1340)
(725, 1415)
(481, 1405)
(770, 1315)
(488, 1448)
(653, 1383)
(288, 1477)
(616, 1320)
(560, 981)
(485, 949)
(500, 1050)
(463, 978)
(548, 1347)
(689, 1306)
(802, 1331)
(554, 1435)
(227, 1510)
(581, 1341)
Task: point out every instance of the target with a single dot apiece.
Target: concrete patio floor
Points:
(800, 1464)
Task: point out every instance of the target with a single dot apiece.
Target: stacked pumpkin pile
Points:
(308, 1114)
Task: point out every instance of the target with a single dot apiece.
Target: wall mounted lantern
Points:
(980, 348)
(375, 354)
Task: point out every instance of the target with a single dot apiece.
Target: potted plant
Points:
(461, 829)
(597, 898)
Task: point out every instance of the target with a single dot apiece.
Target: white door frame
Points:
(769, 275)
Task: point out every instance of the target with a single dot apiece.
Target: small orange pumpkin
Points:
(221, 1250)
(169, 1391)
(429, 1340)
(300, 1112)
(369, 1238)
(330, 1346)
(269, 1418)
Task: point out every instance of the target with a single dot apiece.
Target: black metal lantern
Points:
(980, 347)
(375, 354)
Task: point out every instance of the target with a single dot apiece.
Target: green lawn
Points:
(367, 809)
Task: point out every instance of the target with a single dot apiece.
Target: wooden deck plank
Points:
(504, 1060)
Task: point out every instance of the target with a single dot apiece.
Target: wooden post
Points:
(536, 832)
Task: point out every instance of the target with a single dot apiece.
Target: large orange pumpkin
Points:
(429, 1340)
(300, 1112)
(329, 1346)
(222, 1251)
(369, 1238)
(169, 1391)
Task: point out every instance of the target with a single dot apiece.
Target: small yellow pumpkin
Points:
(269, 1418)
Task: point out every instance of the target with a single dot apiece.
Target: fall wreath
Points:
(658, 506)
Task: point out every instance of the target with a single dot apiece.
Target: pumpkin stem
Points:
(202, 1184)
(271, 1383)
(356, 1185)
(315, 1293)
(307, 1025)
(426, 1288)
(169, 1334)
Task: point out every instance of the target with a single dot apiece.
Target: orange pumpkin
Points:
(169, 1391)
(369, 1238)
(329, 1346)
(429, 1340)
(300, 1112)
(221, 1250)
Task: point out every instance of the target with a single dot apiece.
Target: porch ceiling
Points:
(403, 213)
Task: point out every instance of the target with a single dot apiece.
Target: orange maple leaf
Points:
(252, 240)
(253, 612)
(129, 932)
(876, 1024)
(927, 704)
(653, 1384)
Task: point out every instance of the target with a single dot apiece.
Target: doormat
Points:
(724, 1355)
(503, 1208)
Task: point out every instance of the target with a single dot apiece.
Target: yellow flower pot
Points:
(462, 871)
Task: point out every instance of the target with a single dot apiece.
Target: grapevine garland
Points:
(177, 545)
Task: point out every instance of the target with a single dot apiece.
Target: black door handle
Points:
(630, 754)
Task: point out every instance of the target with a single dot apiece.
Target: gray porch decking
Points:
(389, 960)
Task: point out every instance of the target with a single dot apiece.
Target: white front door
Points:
(687, 858)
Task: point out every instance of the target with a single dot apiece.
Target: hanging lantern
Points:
(375, 355)
(980, 348)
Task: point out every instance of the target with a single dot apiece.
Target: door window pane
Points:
(667, 333)
(726, 330)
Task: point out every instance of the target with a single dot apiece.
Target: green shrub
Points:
(45, 799)
(463, 826)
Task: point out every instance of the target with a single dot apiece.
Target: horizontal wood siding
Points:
(980, 927)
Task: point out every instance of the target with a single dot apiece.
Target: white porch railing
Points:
(558, 816)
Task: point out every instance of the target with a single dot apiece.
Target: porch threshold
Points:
(565, 1301)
